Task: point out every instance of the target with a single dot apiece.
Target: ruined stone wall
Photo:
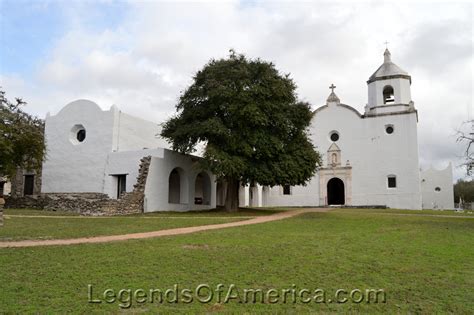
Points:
(18, 182)
(132, 202)
(89, 203)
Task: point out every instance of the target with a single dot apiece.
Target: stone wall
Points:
(89, 203)
(86, 203)
(18, 182)
(132, 202)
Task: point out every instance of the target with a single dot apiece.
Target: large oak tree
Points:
(253, 126)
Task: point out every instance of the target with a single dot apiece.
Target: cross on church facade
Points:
(386, 45)
(332, 87)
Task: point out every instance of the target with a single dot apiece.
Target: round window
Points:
(81, 135)
(334, 136)
(389, 129)
(437, 189)
(77, 134)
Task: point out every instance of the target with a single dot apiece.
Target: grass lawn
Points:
(424, 264)
(398, 211)
(50, 227)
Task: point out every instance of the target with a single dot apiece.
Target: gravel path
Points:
(169, 232)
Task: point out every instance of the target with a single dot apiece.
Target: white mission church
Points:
(368, 159)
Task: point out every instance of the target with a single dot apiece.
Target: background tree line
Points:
(464, 189)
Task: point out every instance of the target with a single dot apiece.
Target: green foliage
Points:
(465, 190)
(248, 115)
(21, 137)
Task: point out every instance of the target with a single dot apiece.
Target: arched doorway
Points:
(336, 195)
(202, 189)
(177, 186)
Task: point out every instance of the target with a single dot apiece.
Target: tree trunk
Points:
(232, 195)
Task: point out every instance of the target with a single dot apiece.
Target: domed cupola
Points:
(388, 70)
(389, 88)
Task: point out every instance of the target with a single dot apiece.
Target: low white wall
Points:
(431, 179)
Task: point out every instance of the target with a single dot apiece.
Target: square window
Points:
(286, 190)
(392, 182)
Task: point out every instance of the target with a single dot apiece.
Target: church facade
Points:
(369, 159)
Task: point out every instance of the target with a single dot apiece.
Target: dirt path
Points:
(169, 232)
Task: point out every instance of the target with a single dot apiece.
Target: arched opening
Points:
(202, 189)
(388, 95)
(177, 186)
(336, 195)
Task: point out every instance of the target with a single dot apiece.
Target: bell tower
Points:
(389, 89)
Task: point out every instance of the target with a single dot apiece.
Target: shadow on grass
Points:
(218, 212)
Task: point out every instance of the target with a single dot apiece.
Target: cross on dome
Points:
(333, 97)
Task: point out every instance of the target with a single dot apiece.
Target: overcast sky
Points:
(139, 55)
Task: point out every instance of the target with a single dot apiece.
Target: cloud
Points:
(146, 54)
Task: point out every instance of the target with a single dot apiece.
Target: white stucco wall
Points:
(113, 145)
(401, 91)
(244, 196)
(71, 166)
(301, 196)
(373, 155)
(132, 133)
(431, 179)
(124, 163)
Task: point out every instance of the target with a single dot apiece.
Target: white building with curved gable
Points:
(369, 159)
(90, 150)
